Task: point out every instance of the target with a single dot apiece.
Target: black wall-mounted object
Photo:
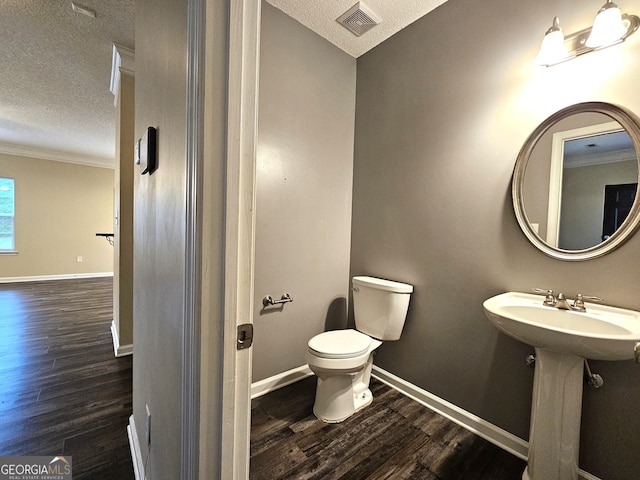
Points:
(146, 151)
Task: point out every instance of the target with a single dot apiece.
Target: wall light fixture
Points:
(610, 27)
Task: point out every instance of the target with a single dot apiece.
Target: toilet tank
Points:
(380, 306)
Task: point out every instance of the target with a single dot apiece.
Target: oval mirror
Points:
(575, 181)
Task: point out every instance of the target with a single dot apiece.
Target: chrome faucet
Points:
(560, 302)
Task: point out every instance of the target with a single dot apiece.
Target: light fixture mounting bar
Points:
(76, 7)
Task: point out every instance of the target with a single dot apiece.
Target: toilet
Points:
(342, 359)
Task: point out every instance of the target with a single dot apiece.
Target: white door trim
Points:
(242, 125)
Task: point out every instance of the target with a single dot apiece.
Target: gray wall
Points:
(442, 110)
(159, 233)
(304, 180)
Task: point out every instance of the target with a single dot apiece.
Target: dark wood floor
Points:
(394, 438)
(62, 391)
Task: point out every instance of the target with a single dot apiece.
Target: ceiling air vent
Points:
(359, 19)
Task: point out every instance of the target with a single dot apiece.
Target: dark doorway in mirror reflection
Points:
(618, 200)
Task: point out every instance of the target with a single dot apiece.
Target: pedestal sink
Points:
(562, 340)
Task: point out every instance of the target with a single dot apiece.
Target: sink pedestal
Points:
(554, 436)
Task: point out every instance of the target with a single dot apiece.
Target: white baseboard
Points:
(134, 446)
(119, 350)
(43, 278)
(270, 384)
(490, 432)
(471, 422)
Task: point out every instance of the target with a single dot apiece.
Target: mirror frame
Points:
(631, 124)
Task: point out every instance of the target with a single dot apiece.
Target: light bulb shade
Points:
(552, 49)
(607, 27)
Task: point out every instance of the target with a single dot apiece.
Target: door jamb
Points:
(242, 128)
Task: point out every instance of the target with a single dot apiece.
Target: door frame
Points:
(242, 131)
(222, 119)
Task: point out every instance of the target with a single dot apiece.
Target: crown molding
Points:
(55, 155)
(588, 159)
(122, 61)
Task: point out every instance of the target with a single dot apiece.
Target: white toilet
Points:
(342, 359)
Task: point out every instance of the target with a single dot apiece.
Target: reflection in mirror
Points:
(576, 180)
(593, 165)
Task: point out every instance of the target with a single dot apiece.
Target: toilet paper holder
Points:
(284, 298)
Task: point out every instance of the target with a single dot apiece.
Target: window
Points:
(7, 212)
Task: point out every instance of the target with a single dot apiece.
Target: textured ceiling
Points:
(55, 100)
(56, 69)
(320, 16)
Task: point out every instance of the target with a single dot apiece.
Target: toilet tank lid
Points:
(382, 284)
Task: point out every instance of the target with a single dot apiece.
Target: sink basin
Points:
(600, 333)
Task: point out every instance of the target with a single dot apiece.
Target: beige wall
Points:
(303, 194)
(443, 108)
(59, 209)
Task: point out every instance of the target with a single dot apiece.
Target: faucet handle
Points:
(589, 297)
(549, 299)
(578, 303)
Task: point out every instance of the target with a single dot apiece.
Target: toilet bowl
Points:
(342, 359)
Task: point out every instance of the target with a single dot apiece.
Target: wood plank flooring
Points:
(62, 391)
(394, 438)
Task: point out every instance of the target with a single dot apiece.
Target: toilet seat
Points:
(339, 344)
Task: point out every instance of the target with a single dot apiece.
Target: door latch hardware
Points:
(245, 336)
